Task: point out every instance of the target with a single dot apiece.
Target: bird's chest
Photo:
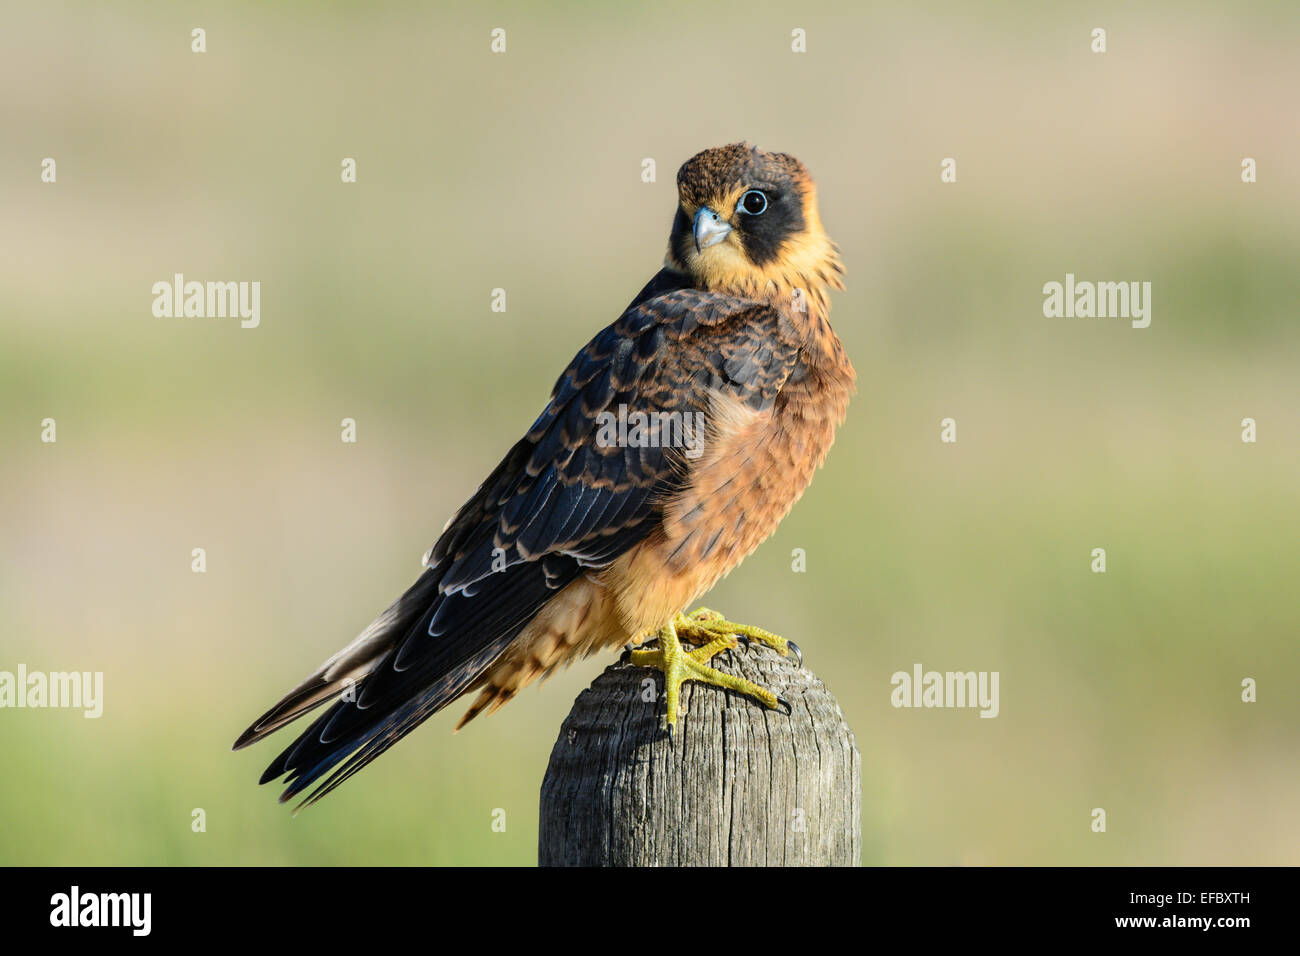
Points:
(752, 470)
(760, 466)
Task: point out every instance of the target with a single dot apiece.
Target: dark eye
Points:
(753, 202)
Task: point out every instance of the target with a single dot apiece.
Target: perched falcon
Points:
(673, 444)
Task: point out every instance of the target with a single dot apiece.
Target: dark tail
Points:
(417, 657)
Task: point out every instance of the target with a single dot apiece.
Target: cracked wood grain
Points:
(737, 784)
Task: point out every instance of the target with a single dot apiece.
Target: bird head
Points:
(747, 224)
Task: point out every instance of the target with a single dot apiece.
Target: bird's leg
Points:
(679, 665)
(706, 627)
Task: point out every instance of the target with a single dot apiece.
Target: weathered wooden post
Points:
(736, 785)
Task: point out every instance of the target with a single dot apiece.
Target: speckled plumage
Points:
(573, 544)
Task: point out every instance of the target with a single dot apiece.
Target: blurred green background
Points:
(522, 171)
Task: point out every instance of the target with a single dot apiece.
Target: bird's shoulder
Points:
(575, 483)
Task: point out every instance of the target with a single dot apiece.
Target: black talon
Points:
(789, 711)
(798, 654)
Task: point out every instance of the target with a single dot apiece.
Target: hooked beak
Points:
(710, 228)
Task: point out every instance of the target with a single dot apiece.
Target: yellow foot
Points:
(703, 626)
(680, 665)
